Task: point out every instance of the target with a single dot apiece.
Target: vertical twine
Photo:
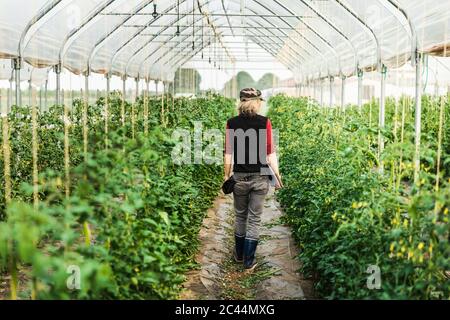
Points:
(133, 110)
(146, 111)
(66, 150)
(173, 95)
(85, 124)
(402, 138)
(35, 146)
(133, 120)
(439, 151)
(163, 122)
(6, 159)
(106, 120)
(122, 109)
(86, 229)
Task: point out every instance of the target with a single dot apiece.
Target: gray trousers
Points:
(249, 194)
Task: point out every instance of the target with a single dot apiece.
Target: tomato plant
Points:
(144, 212)
(348, 216)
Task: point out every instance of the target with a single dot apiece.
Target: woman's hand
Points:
(279, 184)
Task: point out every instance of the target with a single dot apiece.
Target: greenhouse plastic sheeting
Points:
(312, 38)
(38, 76)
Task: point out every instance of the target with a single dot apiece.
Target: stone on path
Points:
(276, 249)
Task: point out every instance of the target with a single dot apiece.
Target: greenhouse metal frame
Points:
(316, 40)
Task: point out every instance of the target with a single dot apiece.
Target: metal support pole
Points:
(343, 93)
(360, 83)
(381, 123)
(315, 87)
(40, 99)
(45, 94)
(331, 91)
(57, 70)
(137, 89)
(417, 115)
(17, 65)
(124, 88)
(29, 93)
(86, 87)
(124, 97)
(10, 94)
(108, 85)
(106, 108)
(321, 93)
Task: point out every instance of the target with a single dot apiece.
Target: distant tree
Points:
(187, 81)
(243, 80)
(267, 81)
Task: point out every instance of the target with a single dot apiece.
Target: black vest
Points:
(248, 140)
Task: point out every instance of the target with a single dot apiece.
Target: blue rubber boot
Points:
(249, 254)
(239, 248)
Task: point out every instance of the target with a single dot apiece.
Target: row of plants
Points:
(122, 217)
(366, 230)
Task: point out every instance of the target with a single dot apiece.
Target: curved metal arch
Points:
(99, 43)
(327, 43)
(228, 18)
(71, 37)
(334, 28)
(181, 50)
(183, 60)
(294, 28)
(366, 27)
(412, 29)
(288, 63)
(279, 47)
(284, 21)
(157, 49)
(165, 53)
(388, 6)
(278, 37)
(154, 37)
(283, 60)
(214, 21)
(115, 55)
(303, 36)
(42, 13)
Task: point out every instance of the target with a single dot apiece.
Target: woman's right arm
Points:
(272, 160)
(228, 154)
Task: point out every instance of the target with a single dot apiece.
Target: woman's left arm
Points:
(228, 154)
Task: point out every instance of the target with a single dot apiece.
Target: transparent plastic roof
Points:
(313, 38)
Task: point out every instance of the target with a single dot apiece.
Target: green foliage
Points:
(187, 81)
(245, 80)
(267, 81)
(144, 212)
(346, 216)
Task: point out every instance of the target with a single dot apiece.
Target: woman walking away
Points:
(250, 150)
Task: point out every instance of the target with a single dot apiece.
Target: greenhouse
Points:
(97, 97)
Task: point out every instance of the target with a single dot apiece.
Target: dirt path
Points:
(219, 277)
